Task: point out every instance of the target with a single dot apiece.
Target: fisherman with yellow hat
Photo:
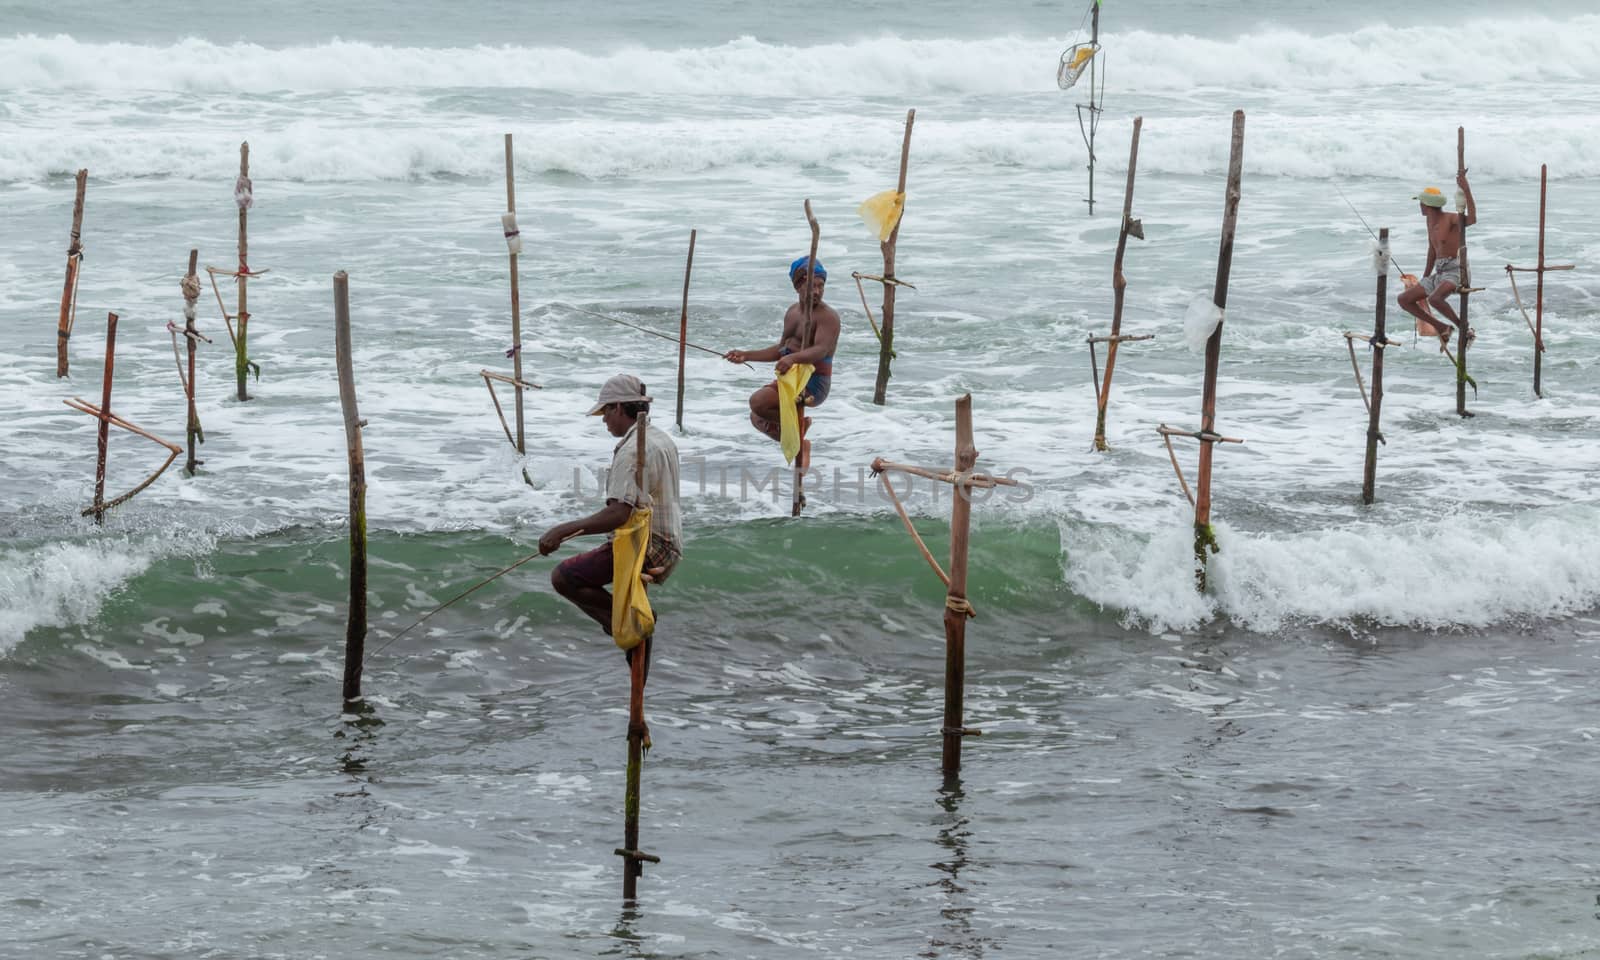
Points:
(1443, 272)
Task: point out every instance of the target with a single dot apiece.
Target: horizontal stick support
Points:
(636, 855)
(1544, 269)
(1375, 341)
(526, 384)
(881, 465)
(1122, 338)
(888, 280)
(960, 731)
(1167, 431)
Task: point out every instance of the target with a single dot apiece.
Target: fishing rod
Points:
(653, 333)
(452, 600)
(1364, 223)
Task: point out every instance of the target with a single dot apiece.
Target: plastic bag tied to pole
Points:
(1200, 322)
(508, 222)
(882, 212)
(632, 620)
(790, 386)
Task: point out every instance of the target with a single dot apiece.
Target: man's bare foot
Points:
(1444, 340)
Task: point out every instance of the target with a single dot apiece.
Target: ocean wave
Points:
(1525, 50)
(1457, 571)
(65, 583)
(340, 149)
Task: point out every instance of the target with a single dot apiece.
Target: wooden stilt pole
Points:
(104, 436)
(355, 636)
(1369, 471)
(683, 327)
(886, 345)
(633, 858)
(955, 609)
(1204, 538)
(244, 196)
(1119, 283)
(802, 460)
(1466, 284)
(516, 302)
(1538, 296)
(69, 290)
(1094, 104)
(191, 298)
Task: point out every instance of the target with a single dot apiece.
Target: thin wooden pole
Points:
(191, 297)
(1094, 107)
(243, 194)
(1538, 297)
(1369, 470)
(355, 635)
(683, 327)
(1119, 285)
(104, 436)
(1466, 283)
(886, 342)
(955, 610)
(1204, 537)
(632, 857)
(516, 303)
(69, 290)
(802, 460)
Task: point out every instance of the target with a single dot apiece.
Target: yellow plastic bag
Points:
(790, 387)
(882, 212)
(632, 620)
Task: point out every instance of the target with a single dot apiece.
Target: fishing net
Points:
(1074, 61)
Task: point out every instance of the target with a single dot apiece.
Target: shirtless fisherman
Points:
(787, 352)
(1443, 272)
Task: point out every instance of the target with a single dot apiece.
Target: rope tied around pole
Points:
(959, 605)
(516, 348)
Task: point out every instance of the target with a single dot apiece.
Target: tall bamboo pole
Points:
(104, 436)
(1119, 283)
(516, 303)
(955, 610)
(191, 297)
(355, 635)
(1466, 283)
(1204, 538)
(1538, 297)
(633, 858)
(241, 360)
(683, 327)
(1369, 471)
(1094, 108)
(69, 290)
(886, 347)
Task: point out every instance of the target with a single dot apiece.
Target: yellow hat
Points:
(1430, 197)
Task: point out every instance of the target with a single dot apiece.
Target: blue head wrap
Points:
(800, 264)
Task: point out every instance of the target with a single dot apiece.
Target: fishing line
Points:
(635, 326)
(1364, 223)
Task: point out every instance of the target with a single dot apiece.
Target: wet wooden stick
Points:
(244, 197)
(683, 327)
(886, 345)
(957, 609)
(633, 858)
(69, 290)
(1369, 469)
(1204, 537)
(1466, 287)
(103, 437)
(191, 298)
(1119, 283)
(512, 232)
(355, 634)
(1538, 296)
